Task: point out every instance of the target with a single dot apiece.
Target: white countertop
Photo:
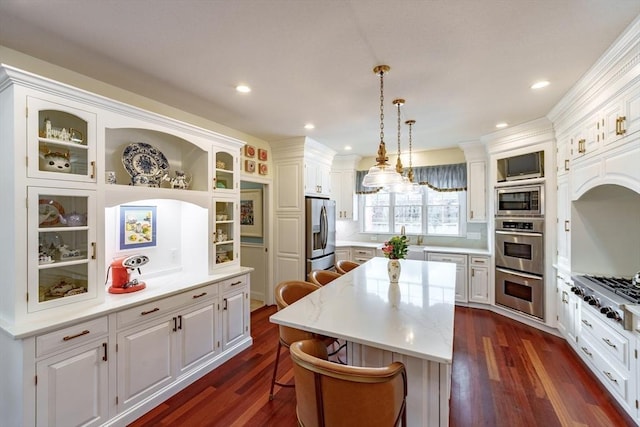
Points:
(426, 248)
(361, 307)
(157, 288)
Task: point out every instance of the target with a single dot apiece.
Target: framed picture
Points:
(262, 168)
(249, 166)
(251, 213)
(249, 151)
(137, 227)
(262, 155)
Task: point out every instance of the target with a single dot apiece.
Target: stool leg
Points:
(275, 370)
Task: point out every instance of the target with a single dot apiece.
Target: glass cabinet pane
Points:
(224, 232)
(62, 250)
(61, 142)
(224, 165)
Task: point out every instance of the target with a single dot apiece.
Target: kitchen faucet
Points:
(402, 230)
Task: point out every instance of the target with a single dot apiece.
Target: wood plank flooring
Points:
(504, 374)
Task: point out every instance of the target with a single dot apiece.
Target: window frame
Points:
(462, 222)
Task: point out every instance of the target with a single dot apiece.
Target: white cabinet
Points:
(478, 279)
(563, 222)
(72, 386)
(461, 271)
(225, 237)
(145, 364)
(343, 254)
(568, 310)
(61, 139)
(301, 168)
(226, 170)
(362, 254)
(343, 191)
(563, 155)
(198, 337)
(235, 311)
(317, 178)
(476, 191)
(61, 247)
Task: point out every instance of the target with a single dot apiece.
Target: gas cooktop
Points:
(619, 285)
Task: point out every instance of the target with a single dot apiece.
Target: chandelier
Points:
(381, 174)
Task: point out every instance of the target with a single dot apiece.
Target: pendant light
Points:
(381, 174)
(415, 187)
(404, 185)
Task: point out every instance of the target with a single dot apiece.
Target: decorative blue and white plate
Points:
(140, 158)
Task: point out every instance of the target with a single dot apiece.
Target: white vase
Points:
(393, 268)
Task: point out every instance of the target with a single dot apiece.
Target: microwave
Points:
(520, 200)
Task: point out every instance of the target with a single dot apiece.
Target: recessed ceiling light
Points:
(243, 89)
(309, 126)
(502, 125)
(347, 148)
(540, 84)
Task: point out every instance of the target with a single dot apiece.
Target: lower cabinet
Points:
(343, 254)
(235, 313)
(479, 279)
(73, 387)
(138, 353)
(461, 271)
(362, 254)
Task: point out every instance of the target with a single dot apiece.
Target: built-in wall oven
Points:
(519, 251)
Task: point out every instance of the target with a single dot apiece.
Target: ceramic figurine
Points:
(55, 162)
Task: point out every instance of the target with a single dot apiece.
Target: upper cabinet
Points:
(70, 166)
(343, 172)
(61, 141)
(317, 178)
(476, 157)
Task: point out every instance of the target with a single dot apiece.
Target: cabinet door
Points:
(563, 230)
(343, 254)
(72, 387)
(225, 233)
(145, 360)
(226, 171)
(342, 190)
(235, 310)
(562, 306)
(477, 197)
(479, 279)
(461, 271)
(197, 338)
(61, 141)
(563, 156)
(61, 247)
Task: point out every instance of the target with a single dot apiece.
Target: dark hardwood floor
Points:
(504, 374)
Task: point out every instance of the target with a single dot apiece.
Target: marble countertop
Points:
(157, 288)
(414, 318)
(426, 248)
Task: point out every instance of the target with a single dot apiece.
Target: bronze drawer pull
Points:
(587, 323)
(104, 348)
(70, 337)
(609, 343)
(587, 351)
(236, 283)
(144, 313)
(199, 295)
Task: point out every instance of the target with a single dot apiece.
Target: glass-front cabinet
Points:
(226, 171)
(61, 141)
(61, 246)
(225, 233)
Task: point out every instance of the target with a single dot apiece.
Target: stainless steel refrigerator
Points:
(320, 234)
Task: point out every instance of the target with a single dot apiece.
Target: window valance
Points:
(440, 178)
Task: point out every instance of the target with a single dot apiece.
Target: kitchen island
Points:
(411, 322)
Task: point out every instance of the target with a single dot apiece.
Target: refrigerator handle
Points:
(324, 232)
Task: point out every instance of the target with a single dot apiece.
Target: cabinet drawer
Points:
(361, 255)
(154, 309)
(613, 345)
(479, 261)
(455, 258)
(233, 283)
(613, 378)
(71, 336)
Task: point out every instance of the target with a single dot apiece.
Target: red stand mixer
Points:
(121, 282)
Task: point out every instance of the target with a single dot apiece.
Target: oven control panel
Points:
(534, 225)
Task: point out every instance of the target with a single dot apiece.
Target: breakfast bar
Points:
(410, 322)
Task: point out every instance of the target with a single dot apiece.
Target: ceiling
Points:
(461, 65)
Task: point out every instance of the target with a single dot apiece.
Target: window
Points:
(427, 212)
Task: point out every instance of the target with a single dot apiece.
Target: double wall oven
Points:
(519, 249)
